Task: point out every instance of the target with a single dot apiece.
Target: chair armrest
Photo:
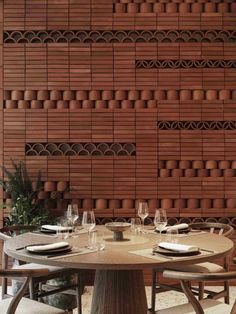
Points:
(200, 276)
(4, 237)
(24, 272)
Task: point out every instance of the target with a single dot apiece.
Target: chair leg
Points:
(4, 287)
(4, 280)
(226, 283)
(153, 296)
(79, 294)
(201, 291)
(226, 288)
(40, 290)
(32, 289)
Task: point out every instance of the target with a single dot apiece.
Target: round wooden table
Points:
(119, 285)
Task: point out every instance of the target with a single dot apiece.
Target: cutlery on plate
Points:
(45, 234)
(62, 254)
(162, 255)
(206, 250)
(21, 248)
(24, 247)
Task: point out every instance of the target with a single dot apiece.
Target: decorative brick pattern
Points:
(184, 64)
(131, 15)
(57, 199)
(196, 168)
(82, 149)
(196, 125)
(70, 78)
(125, 36)
(109, 99)
(171, 6)
(80, 66)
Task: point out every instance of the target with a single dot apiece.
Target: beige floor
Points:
(164, 300)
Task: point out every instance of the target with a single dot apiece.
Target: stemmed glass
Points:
(160, 220)
(88, 222)
(143, 213)
(72, 215)
(72, 212)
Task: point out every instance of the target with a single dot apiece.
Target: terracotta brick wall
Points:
(122, 101)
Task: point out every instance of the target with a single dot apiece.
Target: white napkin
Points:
(47, 247)
(56, 228)
(176, 227)
(178, 247)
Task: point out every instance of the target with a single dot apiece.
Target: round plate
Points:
(64, 249)
(186, 230)
(47, 231)
(50, 231)
(173, 253)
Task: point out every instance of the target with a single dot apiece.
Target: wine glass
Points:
(143, 213)
(160, 220)
(88, 222)
(72, 214)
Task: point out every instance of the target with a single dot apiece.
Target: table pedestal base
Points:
(119, 292)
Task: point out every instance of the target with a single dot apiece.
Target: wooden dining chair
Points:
(36, 282)
(20, 305)
(195, 305)
(207, 267)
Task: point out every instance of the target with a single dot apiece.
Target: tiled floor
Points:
(164, 300)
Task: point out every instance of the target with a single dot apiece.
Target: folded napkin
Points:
(47, 247)
(56, 228)
(178, 247)
(176, 227)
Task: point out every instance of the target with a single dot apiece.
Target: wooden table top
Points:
(116, 255)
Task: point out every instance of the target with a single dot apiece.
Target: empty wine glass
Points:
(160, 220)
(143, 213)
(72, 212)
(72, 215)
(88, 222)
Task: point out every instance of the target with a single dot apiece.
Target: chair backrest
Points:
(181, 275)
(213, 227)
(7, 232)
(185, 277)
(28, 273)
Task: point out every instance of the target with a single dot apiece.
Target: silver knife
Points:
(61, 255)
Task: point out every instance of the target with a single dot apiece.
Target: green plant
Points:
(27, 208)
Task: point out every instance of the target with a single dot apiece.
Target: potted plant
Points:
(27, 208)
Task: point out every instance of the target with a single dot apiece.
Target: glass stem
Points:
(88, 238)
(143, 225)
